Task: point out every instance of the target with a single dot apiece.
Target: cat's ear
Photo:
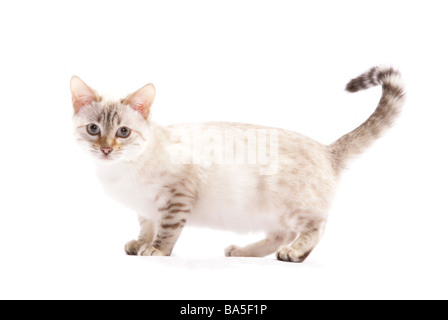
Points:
(142, 99)
(82, 94)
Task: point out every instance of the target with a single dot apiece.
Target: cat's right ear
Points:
(82, 94)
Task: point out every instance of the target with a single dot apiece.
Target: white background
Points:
(276, 63)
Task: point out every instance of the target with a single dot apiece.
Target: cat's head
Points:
(111, 130)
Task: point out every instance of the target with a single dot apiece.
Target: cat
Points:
(159, 172)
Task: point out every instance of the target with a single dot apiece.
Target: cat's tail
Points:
(356, 141)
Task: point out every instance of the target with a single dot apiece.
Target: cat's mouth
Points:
(107, 158)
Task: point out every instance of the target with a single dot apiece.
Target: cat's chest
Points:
(132, 190)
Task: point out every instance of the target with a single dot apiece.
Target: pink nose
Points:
(106, 151)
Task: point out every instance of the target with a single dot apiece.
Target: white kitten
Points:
(223, 175)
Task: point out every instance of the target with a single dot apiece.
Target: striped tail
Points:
(392, 99)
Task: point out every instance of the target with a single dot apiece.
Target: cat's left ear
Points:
(142, 99)
(82, 94)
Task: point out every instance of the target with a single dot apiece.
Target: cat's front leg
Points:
(173, 217)
(146, 236)
(169, 231)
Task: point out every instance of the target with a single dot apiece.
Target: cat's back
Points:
(245, 130)
(229, 138)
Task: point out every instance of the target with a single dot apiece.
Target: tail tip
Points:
(354, 85)
(364, 81)
(374, 77)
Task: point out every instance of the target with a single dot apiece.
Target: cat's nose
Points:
(106, 150)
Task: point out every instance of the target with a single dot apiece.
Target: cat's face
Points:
(111, 131)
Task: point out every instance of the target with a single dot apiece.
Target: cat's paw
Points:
(132, 247)
(149, 250)
(291, 255)
(232, 251)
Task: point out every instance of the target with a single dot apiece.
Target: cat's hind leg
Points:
(301, 248)
(261, 248)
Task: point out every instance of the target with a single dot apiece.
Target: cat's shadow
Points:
(228, 262)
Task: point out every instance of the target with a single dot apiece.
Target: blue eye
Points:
(93, 129)
(123, 132)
